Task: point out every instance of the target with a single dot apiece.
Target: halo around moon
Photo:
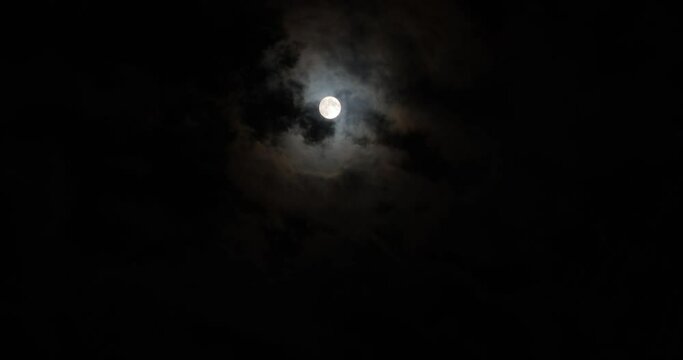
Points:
(329, 107)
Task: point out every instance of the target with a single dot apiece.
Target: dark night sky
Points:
(504, 180)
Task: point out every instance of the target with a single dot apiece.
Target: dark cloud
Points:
(413, 152)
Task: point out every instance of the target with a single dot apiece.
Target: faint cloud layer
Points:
(383, 160)
(373, 59)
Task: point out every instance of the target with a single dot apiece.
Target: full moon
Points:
(330, 107)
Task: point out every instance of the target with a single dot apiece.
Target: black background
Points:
(114, 158)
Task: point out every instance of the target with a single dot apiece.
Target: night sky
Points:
(505, 180)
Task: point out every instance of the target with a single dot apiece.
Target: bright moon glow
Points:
(330, 107)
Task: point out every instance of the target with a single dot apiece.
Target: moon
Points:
(329, 107)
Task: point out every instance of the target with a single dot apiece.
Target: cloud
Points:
(386, 168)
(396, 68)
